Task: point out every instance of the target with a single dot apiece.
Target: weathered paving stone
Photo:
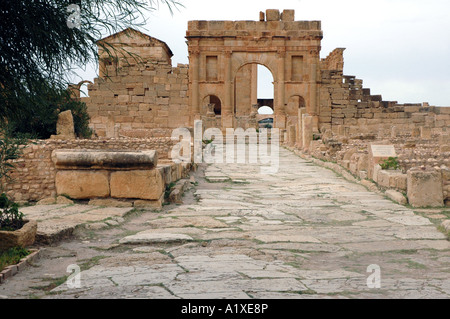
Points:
(303, 233)
(410, 220)
(287, 238)
(152, 238)
(203, 222)
(301, 247)
(385, 246)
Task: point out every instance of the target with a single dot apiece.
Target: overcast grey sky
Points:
(400, 48)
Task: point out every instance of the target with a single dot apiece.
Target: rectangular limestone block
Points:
(146, 185)
(307, 131)
(104, 160)
(425, 188)
(377, 154)
(273, 15)
(20, 238)
(82, 184)
(288, 16)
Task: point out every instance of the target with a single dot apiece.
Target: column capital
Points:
(281, 53)
(314, 52)
(194, 52)
(228, 53)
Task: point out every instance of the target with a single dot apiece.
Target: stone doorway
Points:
(253, 88)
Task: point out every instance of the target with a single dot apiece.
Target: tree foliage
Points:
(39, 49)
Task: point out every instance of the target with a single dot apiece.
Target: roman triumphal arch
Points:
(223, 57)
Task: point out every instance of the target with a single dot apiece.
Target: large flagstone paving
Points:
(302, 233)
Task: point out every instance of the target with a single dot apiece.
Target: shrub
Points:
(10, 217)
(391, 163)
(10, 150)
(40, 121)
(12, 256)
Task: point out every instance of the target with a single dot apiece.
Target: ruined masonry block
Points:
(377, 154)
(109, 160)
(20, 238)
(65, 128)
(273, 15)
(146, 185)
(288, 16)
(83, 184)
(425, 188)
(396, 197)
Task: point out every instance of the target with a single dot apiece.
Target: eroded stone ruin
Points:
(139, 98)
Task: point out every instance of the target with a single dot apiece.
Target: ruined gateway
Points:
(140, 98)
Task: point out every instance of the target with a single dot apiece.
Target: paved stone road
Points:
(302, 233)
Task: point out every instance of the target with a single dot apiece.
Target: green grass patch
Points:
(87, 264)
(12, 256)
(412, 264)
(52, 285)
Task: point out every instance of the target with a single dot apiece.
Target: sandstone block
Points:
(146, 204)
(147, 185)
(401, 182)
(20, 238)
(90, 159)
(61, 200)
(396, 197)
(377, 154)
(425, 188)
(46, 201)
(307, 130)
(65, 127)
(273, 15)
(288, 16)
(83, 184)
(446, 225)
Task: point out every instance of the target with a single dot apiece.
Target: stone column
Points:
(254, 111)
(313, 90)
(313, 98)
(280, 116)
(252, 121)
(299, 143)
(307, 131)
(228, 112)
(291, 135)
(211, 112)
(195, 99)
(254, 85)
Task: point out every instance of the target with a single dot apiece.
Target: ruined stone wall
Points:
(421, 132)
(334, 61)
(141, 101)
(34, 178)
(355, 111)
(351, 119)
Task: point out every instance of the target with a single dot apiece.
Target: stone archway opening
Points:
(265, 117)
(266, 88)
(212, 104)
(253, 85)
(84, 89)
(265, 110)
(295, 103)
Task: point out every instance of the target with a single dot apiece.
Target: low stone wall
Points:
(35, 173)
(351, 119)
(423, 174)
